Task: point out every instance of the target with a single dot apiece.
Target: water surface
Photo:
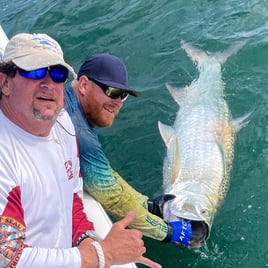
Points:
(146, 35)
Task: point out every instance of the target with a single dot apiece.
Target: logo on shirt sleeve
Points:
(12, 236)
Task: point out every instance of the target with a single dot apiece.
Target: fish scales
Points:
(200, 145)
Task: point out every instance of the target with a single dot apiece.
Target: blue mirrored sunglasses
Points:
(112, 92)
(58, 73)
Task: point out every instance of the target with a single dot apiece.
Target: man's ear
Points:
(4, 84)
(83, 84)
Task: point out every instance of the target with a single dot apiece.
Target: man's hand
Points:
(155, 206)
(120, 246)
(181, 232)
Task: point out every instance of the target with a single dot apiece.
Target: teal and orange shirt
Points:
(103, 183)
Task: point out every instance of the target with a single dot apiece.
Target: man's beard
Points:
(38, 115)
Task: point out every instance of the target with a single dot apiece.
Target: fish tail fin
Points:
(198, 56)
(233, 49)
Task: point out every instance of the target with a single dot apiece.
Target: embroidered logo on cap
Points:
(45, 42)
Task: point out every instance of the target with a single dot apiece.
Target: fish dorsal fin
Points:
(178, 94)
(166, 132)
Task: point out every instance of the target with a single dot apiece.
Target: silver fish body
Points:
(200, 146)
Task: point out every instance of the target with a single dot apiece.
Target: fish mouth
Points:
(200, 233)
(199, 210)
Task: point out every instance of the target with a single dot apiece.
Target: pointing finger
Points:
(149, 262)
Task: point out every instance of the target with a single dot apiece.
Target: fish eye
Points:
(205, 212)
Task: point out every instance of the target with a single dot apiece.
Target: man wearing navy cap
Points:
(94, 100)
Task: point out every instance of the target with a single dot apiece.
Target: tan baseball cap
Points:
(34, 51)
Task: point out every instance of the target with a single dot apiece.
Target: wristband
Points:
(168, 237)
(88, 234)
(100, 254)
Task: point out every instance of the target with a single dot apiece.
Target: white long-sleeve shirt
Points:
(41, 213)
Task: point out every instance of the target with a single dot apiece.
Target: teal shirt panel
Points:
(95, 166)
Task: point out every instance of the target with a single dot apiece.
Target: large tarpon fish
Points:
(200, 145)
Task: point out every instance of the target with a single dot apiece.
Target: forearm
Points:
(120, 198)
(142, 199)
(49, 258)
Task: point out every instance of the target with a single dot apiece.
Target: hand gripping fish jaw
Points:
(200, 230)
(196, 209)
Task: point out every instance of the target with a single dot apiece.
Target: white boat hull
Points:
(102, 222)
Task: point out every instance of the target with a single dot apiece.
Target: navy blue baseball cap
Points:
(107, 69)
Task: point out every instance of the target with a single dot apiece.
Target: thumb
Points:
(125, 222)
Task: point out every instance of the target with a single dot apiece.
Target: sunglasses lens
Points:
(59, 74)
(115, 93)
(34, 74)
(124, 95)
(112, 92)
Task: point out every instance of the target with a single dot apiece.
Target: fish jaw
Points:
(199, 209)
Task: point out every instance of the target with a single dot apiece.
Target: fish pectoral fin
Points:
(178, 94)
(241, 122)
(171, 141)
(166, 132)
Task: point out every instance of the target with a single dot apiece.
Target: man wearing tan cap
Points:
(42, 223)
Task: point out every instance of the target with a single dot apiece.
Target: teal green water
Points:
(146, 35)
